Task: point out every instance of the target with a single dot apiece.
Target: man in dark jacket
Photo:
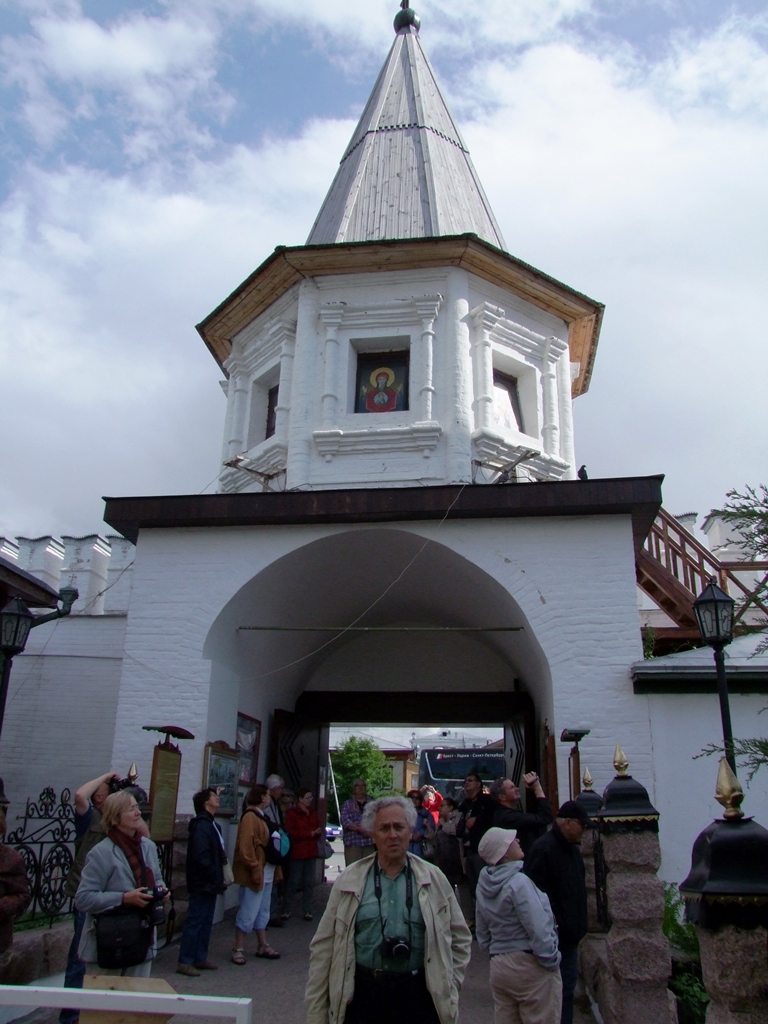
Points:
(477, 810)
(555, 865)
(205, 880)
(508, 814)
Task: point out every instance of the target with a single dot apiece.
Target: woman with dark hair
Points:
(255, 876)
(303, 826)
(424, 828)
(121, 871)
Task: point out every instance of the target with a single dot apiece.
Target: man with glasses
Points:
(554, 864)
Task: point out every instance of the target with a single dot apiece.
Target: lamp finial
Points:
(728, 791)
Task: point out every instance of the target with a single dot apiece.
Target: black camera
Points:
(397, 948)
(156, 906)
(115, 785)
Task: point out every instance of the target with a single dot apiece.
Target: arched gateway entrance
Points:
(377, 625)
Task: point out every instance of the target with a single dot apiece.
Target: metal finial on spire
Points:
(587, 780)
(729, 792)
(406, 17)
(620, 762)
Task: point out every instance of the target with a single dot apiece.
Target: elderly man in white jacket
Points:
(516, 926)
(392, 944)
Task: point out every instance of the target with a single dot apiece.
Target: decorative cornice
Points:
(414, 437)
(402, 313)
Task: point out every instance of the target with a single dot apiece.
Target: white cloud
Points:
(728, 69)
(148, 75)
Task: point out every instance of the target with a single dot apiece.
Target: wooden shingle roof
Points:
(406, 172)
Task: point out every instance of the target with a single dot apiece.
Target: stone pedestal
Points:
(632, 973)
(734, 965)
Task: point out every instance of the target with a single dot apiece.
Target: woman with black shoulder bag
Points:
(122, 893)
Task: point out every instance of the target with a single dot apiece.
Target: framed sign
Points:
(220, 772)
(248, 739)
(163, 790)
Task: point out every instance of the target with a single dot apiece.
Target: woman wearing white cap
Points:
(516, 926)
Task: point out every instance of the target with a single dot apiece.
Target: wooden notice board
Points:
(163, 791)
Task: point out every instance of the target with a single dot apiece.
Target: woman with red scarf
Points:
(303, 826)
(121, 870)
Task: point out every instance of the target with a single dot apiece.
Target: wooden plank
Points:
(118, 984)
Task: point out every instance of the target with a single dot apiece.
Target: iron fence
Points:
(45, 840)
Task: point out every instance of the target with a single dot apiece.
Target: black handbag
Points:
(123, 937)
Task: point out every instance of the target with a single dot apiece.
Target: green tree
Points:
(359, 758)
(748, 512)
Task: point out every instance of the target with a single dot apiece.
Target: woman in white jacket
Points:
(392, 943)
(120, 871)
(516, 926)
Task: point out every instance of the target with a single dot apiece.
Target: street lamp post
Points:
(16, 620)
(714, 616)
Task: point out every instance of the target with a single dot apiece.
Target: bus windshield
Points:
(446, 769)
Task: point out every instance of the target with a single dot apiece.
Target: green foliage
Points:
(691, 995)
(680, 934)
(686, 980)
(360, 758)
(649, 642)
(748, 512)
(750, 754)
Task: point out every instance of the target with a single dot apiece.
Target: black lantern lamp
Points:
(713, 609)
(15, 623)
(728, 883)
(588, 798)
(16, 620)
(626, 804)
(714, 616)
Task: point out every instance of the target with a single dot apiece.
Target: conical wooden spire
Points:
(406, 172)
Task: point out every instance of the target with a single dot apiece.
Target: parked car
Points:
(332, 832)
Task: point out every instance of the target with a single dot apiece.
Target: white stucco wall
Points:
(60, 716)
(457, 330)
(681, 726)
(570, 579)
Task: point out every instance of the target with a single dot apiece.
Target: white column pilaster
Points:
(427, 308)
(332, 316)
(484, 318)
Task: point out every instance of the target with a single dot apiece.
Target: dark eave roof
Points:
(15, 582)
(638, 497)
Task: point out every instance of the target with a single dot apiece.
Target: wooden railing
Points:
(673, 568)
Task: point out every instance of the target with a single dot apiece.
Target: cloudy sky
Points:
(152, 154)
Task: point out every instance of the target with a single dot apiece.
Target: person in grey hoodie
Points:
(516, 926)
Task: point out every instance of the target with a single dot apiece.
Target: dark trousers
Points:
(569, 972)
(404, 997)
(75, 969)
(197, 928)
(302, 874)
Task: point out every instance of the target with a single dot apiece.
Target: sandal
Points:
(238, 956)
(267, 953)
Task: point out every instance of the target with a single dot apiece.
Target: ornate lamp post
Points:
(714, 616)
(16, 620)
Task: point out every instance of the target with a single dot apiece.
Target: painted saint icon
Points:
(382, 387)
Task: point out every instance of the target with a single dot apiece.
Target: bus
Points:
(446, 768)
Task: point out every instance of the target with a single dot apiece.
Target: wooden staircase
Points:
(673, 568)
